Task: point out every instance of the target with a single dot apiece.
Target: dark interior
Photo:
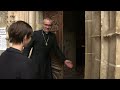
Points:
(72, 23)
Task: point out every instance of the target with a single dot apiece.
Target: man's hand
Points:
(68, 63)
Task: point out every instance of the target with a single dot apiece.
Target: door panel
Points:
(57, 28)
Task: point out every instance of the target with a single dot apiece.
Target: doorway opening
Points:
(74, 44)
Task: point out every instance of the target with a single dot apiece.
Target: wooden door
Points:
(57, 28)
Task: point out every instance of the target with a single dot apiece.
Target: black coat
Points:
(14, 65)
(41, 53)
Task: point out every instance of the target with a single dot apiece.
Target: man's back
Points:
(13, 65)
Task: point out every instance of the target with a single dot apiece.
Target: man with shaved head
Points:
(44, 43)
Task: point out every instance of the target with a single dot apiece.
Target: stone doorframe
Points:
(102, 41)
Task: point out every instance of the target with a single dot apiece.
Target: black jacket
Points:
(41, 53)
(14, 65)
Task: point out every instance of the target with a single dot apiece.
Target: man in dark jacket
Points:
(14, 65)
(44, 43)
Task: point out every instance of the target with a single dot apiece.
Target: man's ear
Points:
(25, 37)
(52, 21)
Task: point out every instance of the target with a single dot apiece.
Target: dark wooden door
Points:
(57, 28)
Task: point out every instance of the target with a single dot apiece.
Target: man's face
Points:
(47, 25)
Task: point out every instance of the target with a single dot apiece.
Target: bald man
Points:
(44, 43)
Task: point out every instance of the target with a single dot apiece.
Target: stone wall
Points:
(102, 43)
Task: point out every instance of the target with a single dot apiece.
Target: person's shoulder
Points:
(3, 53)
(23, 59)
(20, 57)
(36, 33)
(52, 34)
(6, 53)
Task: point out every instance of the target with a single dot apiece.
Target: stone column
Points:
(20, 15)
(41, 19)
(102, 59)
(88, 45)
(27, 16)
(117, 62)
(37, 20)
(32, 19)
(112, 46)
(104, 44)
(96, 44)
